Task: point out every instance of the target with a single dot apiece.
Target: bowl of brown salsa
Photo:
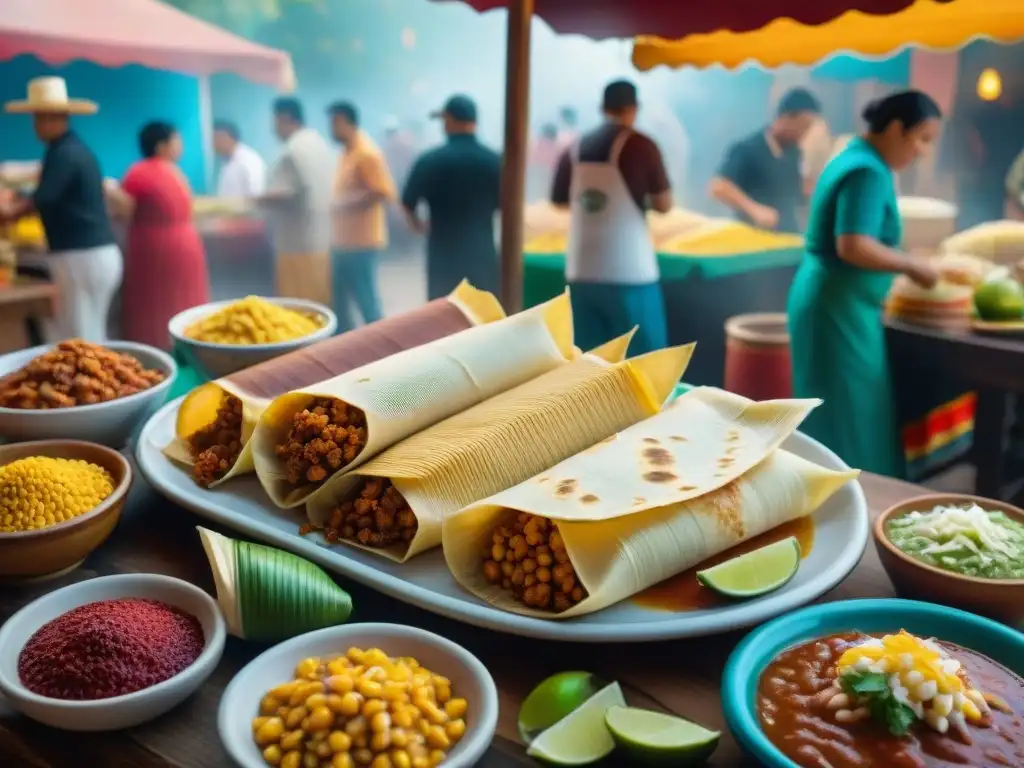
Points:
(878, 683)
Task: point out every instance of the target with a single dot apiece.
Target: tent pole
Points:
(206, 131)
(513, 176)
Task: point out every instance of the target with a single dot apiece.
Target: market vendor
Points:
(608, 179)
(85, 262)
(853, 233)
(760, 178)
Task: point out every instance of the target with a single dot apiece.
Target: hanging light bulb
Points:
(990, 85)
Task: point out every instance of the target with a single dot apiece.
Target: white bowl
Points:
(470, 680)
(110, 423)
(120, 711)
(216, 360)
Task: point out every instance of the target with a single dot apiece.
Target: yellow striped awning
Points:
(925, 24)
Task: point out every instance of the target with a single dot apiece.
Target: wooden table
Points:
(156, 536)
(21, 301)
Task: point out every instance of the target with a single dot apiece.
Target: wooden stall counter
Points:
(22, 301)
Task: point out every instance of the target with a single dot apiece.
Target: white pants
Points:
(86, 282)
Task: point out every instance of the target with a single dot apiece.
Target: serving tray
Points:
(841, 533)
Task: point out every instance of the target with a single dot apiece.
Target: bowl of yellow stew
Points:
(360, 695)
(226, 336)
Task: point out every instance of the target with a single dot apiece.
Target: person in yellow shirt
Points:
(363, 186)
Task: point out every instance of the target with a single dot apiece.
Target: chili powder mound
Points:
(109, 648)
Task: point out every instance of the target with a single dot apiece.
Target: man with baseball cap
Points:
(460, 182)
(608, 179)
(761, 178)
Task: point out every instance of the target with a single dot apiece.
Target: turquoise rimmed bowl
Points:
(758, 649)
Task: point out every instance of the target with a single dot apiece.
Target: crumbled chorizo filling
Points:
(75, 372)
(528, 557)
(216, 447)
(322, 439)
(377, 515)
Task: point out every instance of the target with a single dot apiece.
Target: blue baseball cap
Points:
(458, 107)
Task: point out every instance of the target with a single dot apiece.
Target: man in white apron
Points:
(608, 179)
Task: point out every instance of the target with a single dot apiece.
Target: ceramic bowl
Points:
(60, 548)
(216, 360)
(120, 711)
(470, 680)
(757, 650)
(1002, 599)
(111, 423)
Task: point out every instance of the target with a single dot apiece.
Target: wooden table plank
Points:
(154, 535)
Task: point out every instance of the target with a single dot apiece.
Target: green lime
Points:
(755, 573)
(1000, 300)
(554, 699)
(580, 738)
(655, 739)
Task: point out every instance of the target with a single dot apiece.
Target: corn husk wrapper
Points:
(412, 390)
(510, 437)
(269, 595)
(1001, 242)
(257, 386)
(661, 497)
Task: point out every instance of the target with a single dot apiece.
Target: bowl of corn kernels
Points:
(222, 337)
(360, 695)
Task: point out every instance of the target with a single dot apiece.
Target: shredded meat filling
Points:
(527, 557)
(216, 447)
(376, 516)
(322, 439)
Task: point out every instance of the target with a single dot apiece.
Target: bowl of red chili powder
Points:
(111, 652)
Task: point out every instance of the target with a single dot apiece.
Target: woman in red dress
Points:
(165, 266)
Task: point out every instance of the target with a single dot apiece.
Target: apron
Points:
(611, 265)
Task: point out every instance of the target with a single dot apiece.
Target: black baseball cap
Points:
(798, 100)
(458, 107)
(619, 95)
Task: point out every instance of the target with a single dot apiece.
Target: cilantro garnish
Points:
(885, 709)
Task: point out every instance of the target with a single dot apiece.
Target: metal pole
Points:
(206, 131)
(513, 177)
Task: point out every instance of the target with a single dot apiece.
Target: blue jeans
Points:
(603, 311)
(354, 280)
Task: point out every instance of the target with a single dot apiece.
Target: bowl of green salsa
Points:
(959, 550)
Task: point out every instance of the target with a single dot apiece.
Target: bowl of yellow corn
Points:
(59, 500)
(360, 695)
(226, 336)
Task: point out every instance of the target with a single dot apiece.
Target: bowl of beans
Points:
(111, 652)
(223, 337)
(376, 695)
(59, 500)
(81, 391)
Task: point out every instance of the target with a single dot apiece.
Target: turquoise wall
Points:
(128, 98)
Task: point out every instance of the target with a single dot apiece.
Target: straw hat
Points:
(50, 94)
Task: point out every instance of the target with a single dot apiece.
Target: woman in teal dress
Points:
(851, 259)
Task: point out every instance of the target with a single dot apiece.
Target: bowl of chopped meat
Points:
(80, 391)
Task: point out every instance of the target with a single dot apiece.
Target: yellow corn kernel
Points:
(342, 683)
(272, 755)
(360, 741)
(970, 710)
(443, 693)
(339, 741)
(322, 749)
(307, 668)
(316, 700)
(421, 762)
(304, 691)
(437, 738)
(337, 666)
(400, 759)
(380, 722)
(400, 673)
(399, 738)
(320, 719)
(257, 722)
(436, 757)
(285, 690)
(455, 729)
(371, 689)
(333, 702)
(295, 717)
(351, 703)
(381, 761)
(379, 742)
(292, 740)
(269, 705)
(356, 655)
(270, 732)
(356, 727)
(392, 690)
(292, 760)
(342, 760)
(374, 707)
(423, 726)
(456, 708)
(375, 657)
(433, 713)
(403, 718)
(362, 756)
(310, 760)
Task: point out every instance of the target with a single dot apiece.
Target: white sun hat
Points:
(50, 94)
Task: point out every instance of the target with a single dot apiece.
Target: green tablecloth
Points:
(544, 273)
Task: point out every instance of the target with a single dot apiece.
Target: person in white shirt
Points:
(243, 173)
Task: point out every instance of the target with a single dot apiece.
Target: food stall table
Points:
(701, 293)
(154, 535)
(22, 301)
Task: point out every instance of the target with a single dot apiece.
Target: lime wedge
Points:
(656, 739)
(755, 573)
(554, 699)
(581, 738)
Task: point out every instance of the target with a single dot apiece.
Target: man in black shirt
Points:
(760, 178)
(86, 264)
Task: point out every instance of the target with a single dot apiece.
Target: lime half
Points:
(755, 573)
(555, 698)
(656, 739)
(582, 737)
